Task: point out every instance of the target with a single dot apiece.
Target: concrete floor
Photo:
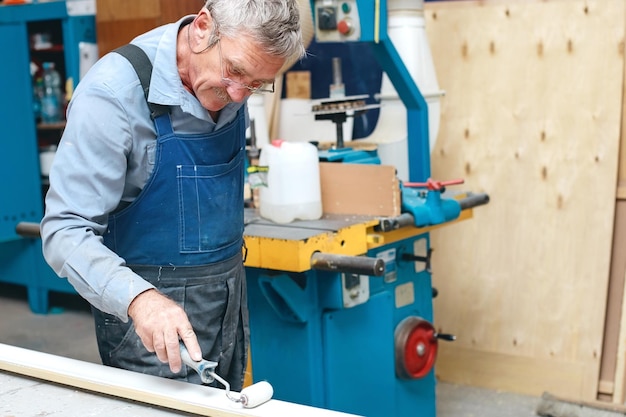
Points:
(68, 331)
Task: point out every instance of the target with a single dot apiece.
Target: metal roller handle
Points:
(28, 229)
(473, 200)
(361, 265)
(388, 224)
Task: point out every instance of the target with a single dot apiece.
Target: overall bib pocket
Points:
(201, 230)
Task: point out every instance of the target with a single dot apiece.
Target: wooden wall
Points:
(119, 21)
(531, 116)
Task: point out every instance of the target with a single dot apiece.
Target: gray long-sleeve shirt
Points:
(103, 161)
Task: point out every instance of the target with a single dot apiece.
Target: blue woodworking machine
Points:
(341, 308)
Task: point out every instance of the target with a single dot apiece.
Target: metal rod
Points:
(28, 229)
(473, 200)
(392, 223)
(337, 76)
(361, 265)
(339, 129)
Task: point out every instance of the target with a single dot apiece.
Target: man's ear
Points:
(204, 24)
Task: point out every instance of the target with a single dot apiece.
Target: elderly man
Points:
(144, 214)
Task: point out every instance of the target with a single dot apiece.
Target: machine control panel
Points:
(355, 289)
(337, 21)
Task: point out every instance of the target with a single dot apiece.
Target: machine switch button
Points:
(344, 27)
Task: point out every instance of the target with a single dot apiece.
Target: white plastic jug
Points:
(293, 182)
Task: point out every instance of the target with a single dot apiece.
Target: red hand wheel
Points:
(416, 347)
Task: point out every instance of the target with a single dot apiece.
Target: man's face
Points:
(220, 75)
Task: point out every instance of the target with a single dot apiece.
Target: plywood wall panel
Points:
(119, 21)
(531, 116)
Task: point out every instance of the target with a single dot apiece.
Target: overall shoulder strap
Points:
(143, 67)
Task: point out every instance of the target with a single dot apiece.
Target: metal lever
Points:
(392, 223)
(473, 200)
(28, 229)
(361, 265)
(416, 258)
(445, 336)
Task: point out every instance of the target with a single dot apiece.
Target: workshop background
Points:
(533, 284)
(533, 115)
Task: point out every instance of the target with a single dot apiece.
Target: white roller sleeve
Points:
(256, 394)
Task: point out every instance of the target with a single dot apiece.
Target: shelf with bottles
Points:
(47, 55)
(48, 138)
(34, 32)
(49, 98)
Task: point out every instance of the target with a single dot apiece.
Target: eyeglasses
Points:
(255, 87)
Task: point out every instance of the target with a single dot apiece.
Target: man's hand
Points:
(160, 323)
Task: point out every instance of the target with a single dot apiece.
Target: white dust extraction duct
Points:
(407, 30)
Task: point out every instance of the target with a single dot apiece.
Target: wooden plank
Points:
(493, 369)
(618, 336)
(119, 21)
(621, 173)
(172, 10)
(606, 388)
(617, 315)
(360, 189)
(620, 366)
(531, 116)
(117, 10)
(298, 84)
(111, 35)
(611, 348)
(177, 395)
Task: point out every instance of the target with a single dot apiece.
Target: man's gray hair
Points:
(274, 24)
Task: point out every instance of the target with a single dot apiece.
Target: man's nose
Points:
(237, 93)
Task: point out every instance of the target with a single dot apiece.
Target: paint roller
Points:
(249, 397)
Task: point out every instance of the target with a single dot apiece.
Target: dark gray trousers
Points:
(214, 298)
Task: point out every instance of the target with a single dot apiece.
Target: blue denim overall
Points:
(184, 234)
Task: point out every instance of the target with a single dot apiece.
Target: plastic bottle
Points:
(38, 93)
(51, 102)
(293, 182)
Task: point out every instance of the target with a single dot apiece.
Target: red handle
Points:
(433, 184)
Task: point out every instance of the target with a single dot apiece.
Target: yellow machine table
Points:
(289, 247)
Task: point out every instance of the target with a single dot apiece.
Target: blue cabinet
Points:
(32, 33)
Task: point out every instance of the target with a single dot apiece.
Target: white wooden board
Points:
(182, 396)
